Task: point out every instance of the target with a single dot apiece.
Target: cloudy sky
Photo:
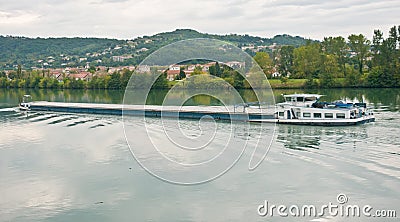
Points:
(127, 19)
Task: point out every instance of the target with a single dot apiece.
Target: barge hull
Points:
(345, 122)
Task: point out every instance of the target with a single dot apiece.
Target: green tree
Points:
(125, 77)
(353, 77)
(181, 75)
(392, 55)
(285, 61)
(265, 62)
(161, 82)
(397, 73)
(377, 44)
(212, 70)
(14, 83)
(359, 44)
(330, 68)
(92, 69)
(115, 81)
(100, 83)
(307, 61)
(238, 80)
(215, 70)
(19, 72)
(34, 81)
(66, 83)
(374, 78)
(43, 83)
(336, 46)
(218, 71)
(197, 70)
(12, 75)
(385, 60)
(3, 82)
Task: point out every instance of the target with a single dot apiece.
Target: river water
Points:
(78, 167)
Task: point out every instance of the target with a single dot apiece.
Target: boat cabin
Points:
(305, 100)
(315, 113)
(25, 104)
(306, 109)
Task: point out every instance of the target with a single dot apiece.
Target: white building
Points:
(143, 69)
(174, 67)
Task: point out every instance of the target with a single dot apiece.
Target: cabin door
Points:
(289, 115)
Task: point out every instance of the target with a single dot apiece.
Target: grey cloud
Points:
(294, 2)
(323, 4)
(113, 1)
(131, 18)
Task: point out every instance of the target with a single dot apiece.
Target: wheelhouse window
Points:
(281, 114)
(317, 115)
(306, 115)
(300, 99)
(328, 115)
(310, 99)
(340, 115)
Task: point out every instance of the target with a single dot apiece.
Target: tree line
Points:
(333, 62)
(339, 62)
(37, 79)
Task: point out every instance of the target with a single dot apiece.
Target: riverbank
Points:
(289, 84)
(48, 83)
(275, 84)
(299, 84)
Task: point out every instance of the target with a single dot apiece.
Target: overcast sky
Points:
(127, 19)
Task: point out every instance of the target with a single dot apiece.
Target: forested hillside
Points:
(59, 52)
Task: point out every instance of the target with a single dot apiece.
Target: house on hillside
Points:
(188, 72)
(85, 76)
(235, 64)
(207, 66)
(101, 68)
(276, 74)
(174, 67)
(56, 74)
(171, 74)
(121, 58)
(143, 69)
(142, 50)
(112, 70)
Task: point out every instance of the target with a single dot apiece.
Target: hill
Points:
(62, 52)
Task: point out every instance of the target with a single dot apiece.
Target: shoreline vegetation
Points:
(335, 62)
(106, 84)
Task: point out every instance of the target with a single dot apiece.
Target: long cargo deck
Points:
(194, 112)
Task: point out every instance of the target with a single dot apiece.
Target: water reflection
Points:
(11, 97)
(387, 99)
(305, 138)
(66, 167)
(299, 138)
